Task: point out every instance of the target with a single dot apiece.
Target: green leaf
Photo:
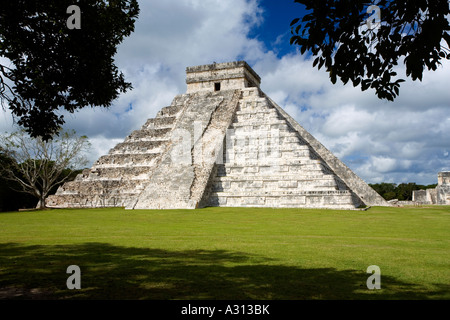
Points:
(322, 61)
(333, 77)
(332, 26)
(303, 49)
(446, 37)
(356, 82)
(396, 89)
(365, 84)
(315, 62)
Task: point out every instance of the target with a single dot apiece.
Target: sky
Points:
(407, 140)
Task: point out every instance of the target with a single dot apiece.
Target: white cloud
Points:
(189, 32)
(169, 36)
(396, 141)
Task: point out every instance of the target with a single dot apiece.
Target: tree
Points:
(343, 37)
(404, 190)
(38, 165)
(386, 190)
(58, 63)
(10, 199)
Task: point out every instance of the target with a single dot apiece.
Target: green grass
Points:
(226, 253)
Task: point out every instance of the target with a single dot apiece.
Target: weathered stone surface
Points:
(260, 169)
(222, 76)
(223, 143)
(440, 195)
(182, 176)
(117, 179)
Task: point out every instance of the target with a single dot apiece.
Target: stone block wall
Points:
(443, 188)
(221, 76)
(440, 195)
(116, 179)
(267, 164)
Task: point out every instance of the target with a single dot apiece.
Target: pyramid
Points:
(222, 143)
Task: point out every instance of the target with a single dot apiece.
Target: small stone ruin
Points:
(439, 195)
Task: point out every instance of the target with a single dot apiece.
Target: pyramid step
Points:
(304, 170)
(263, 131)
(279, 176)
(180, 100)
(312, 175)
(86, 186)
(270, 193)
(95, 187)
(263, 159)
(169, 111)
(139, 147)
(244, 127)
(124, 166)
(272, 185)
(257, 116)
(149, 135)
(283, 135)
(269, 188)
(119, 173)
(264, 111)
(253, 165)
(250, 93)
(273, 164)
(112, 160)
(304, 184)
(255, 122)
(251, 106)
(160, 123)
(312, 199)
(90, 200)
(254, 99)
(269, 148)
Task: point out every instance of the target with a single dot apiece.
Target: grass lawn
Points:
(226, 253)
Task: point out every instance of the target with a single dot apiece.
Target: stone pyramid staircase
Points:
(268, 164)
(182, 179)
(222, 143)
(117, 178)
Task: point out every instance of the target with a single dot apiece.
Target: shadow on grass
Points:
(114, 272)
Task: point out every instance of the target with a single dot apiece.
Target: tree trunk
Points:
(41, 203)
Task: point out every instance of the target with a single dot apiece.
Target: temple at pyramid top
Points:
(222, 143)
(221, 76)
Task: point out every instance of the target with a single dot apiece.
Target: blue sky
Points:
(275, 29)
(404, 141)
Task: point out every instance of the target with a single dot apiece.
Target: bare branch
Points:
(38, 165)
